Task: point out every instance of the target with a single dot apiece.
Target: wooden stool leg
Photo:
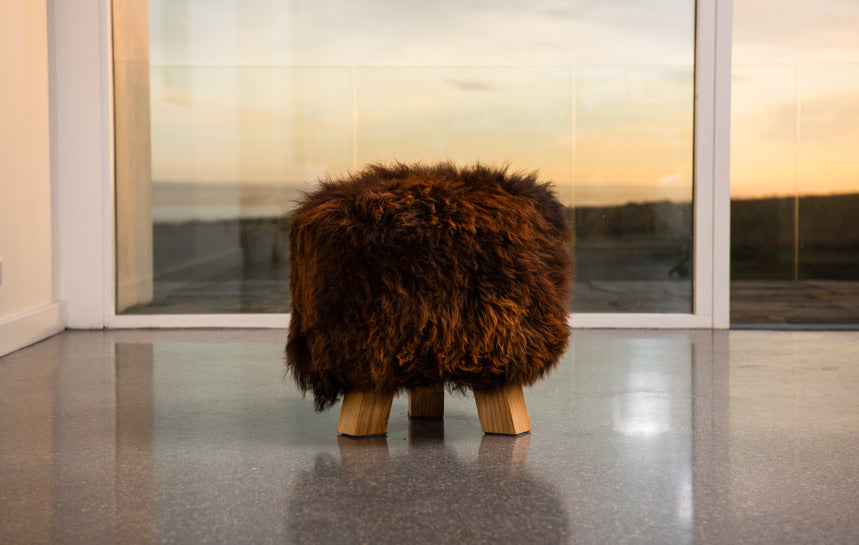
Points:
(503, 411)
(427, 402)
(365, 413)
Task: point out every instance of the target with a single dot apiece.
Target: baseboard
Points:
(31, 327)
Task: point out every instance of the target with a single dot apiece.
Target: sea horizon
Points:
(177, 202)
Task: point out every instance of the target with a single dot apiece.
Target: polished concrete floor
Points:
(638, 437)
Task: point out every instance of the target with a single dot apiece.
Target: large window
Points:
(227, 110)
(795, 170)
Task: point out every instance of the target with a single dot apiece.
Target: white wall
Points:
(27, 310)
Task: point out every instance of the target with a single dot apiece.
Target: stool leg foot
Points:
(503, 411)
(365, 413)
(427, 402)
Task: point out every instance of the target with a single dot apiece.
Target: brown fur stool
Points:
(413, 278)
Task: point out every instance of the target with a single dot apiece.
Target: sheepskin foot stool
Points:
(416, 278)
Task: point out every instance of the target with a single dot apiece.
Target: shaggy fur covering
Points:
(408, 275)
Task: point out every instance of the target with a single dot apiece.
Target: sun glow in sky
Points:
(795, 100)
(596, 95)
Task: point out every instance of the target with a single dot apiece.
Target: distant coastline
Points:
(178, 202)
(641, 246)
(767, 243)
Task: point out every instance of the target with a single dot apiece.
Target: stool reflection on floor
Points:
(413, 278)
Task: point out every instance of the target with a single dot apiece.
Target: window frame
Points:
(83, 177)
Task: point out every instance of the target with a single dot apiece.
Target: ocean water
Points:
(176, 202)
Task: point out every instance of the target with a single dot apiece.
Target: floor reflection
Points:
(427, 494)
(638, 437)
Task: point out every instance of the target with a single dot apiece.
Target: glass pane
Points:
(794, 189)
(633, 189)
(226, 111)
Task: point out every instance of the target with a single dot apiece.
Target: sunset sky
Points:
(597, 95)
(795, 100)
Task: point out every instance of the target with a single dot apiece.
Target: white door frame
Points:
(83, 171)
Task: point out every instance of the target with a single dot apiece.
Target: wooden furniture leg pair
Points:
(502, 411)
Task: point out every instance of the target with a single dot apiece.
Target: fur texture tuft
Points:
(408, 275)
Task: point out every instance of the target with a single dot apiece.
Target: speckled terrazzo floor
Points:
(639, 437)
